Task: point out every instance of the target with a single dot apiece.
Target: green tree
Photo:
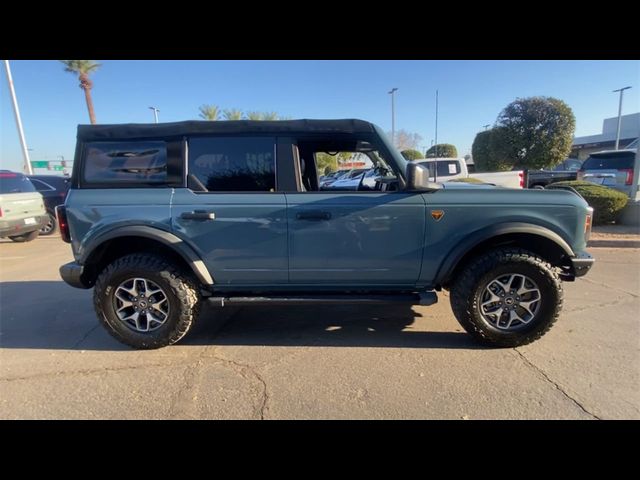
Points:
(232, 114)
(83, 68)
(483, 158)
(534, 132)
(444, 150)
(411, 154)
(326, 163)
(209, 112)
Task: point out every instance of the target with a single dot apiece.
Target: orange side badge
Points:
(437, 214)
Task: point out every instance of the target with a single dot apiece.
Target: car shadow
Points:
(53, 315)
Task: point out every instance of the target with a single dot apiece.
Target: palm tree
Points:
(233, 114)
(269, 116)
(210, 112)
(254, 115)
(83, 68)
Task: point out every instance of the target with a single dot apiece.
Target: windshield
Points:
(15, 183)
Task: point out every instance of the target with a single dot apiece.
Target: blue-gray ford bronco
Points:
(163, 217)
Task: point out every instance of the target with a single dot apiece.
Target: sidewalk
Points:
(615, 236)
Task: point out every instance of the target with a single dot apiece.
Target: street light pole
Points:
(393, 115)
(621, 90)
(155, 113)
(16, 112)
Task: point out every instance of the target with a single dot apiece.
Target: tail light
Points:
(63, 224)
(629, 172)
(587, 225)
(521, 175)
(0, 211)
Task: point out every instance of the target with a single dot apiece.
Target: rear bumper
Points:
(582, 263)
(9, 228)
(71, 273)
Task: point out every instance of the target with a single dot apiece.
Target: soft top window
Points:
(126, 162)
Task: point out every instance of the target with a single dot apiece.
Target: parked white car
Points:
(448, 169)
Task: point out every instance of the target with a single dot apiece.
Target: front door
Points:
(231, 212)
(355, 238)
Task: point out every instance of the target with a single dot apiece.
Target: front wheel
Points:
(145, 301)
(507, 297)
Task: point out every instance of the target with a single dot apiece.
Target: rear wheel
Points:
(145, 301)
(51, 225)
(26, 237)
(507, 298)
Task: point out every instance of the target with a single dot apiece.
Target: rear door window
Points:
(232, 164)
(613, 161)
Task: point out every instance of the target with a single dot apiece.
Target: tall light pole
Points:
(435, 163)
(16, 112)
(393, 115)
(155, 113)
(621, 90)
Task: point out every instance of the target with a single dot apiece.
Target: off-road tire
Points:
(180, 287)
(467, 289)
(26, 237)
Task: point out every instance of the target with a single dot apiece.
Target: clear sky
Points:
(472, 93)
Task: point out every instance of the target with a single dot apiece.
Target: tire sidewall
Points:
(548, 304)
(155, 337)
(53, 219)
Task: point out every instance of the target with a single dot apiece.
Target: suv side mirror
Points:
(418, 178)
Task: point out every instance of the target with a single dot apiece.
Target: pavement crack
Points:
(183, 402)
(85, 336)
(89, 371)
(247, 371)
(601, 284)
(555, 384)
(598, 305)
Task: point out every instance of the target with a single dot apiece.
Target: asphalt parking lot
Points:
(315, 363)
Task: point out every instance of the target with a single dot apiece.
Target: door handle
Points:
(313, 215)
(198, 215)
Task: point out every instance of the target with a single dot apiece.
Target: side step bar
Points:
(422, 298)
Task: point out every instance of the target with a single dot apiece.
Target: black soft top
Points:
(192, 127)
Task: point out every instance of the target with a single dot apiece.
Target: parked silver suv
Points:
(610, 168)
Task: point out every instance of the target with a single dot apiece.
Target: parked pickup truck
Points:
(455, 168)
(164, 217)
(567, 170)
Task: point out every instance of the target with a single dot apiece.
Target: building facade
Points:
(629, 132)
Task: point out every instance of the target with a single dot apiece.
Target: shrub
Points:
(607, 203)
(444, 150)
(411, 154)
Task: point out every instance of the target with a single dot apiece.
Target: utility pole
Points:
(435, 163)
(155, 113)
(393, 115)
(621, 90)
(16, 112)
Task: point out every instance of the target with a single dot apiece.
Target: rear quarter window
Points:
(140, 162)
(609, 162)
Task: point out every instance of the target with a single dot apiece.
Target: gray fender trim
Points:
(456, 254)
(167, 238)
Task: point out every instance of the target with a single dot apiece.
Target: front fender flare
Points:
(456, 254)
(172, 241)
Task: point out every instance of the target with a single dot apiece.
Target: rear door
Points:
(19, 199)
(231, 212)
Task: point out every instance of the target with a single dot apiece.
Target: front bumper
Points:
(71, 273)
(582, 263)
(9, 228)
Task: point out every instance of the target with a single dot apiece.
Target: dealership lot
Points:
(315, 362)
